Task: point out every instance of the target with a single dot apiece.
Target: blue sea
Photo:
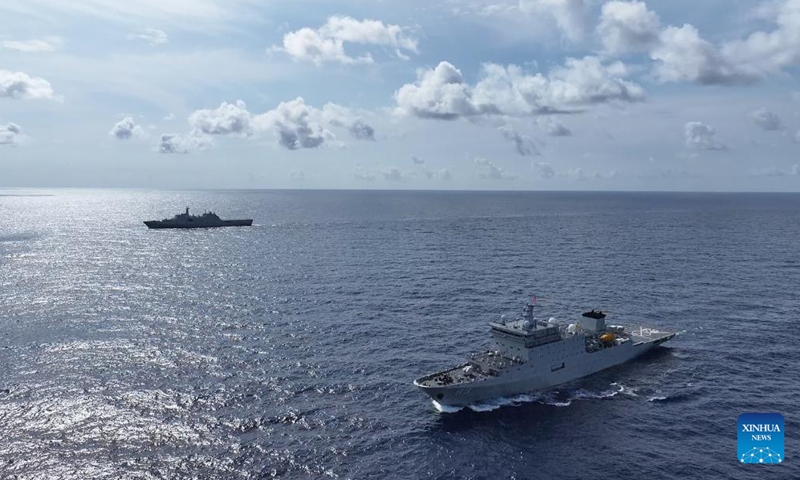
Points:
(288, 349)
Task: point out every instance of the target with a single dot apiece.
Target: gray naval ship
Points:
(531, 354)
(206, 220)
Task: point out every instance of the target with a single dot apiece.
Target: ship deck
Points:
(484, 365)
(648, 335)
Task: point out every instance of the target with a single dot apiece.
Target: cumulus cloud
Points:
(326, 44)
(766, 119)
(179, 143)
(10, 134)
(438, 174)
(338, 116)
(362, 131)
(525, 145)
(492, 171)
(152, 36)
(702, 136)
(627, 27)
(362, 174)
(417, 160)
(764, 53)
(544, 170)
(125, 129)
(571, 16)
(19, 85)
(577, 174)
(794, 171)
(684, 56)
(229, 118)
(442, 93)
(296, 125)
(553, 127)
(46, 44)
(392, 174)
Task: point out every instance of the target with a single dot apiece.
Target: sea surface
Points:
(288, 349)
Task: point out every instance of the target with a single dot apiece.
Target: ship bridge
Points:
(514, 339)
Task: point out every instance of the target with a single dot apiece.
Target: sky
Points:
(678, 95)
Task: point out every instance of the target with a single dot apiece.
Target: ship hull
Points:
(529, 379)
(224, 223)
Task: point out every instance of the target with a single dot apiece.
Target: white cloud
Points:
(442, 93)
(571, 16)
(439, 93)
(438, 174)
(365, 175)
(627, 27)
(545, 170)
(525, 145)
(296, 125)
(20, 85)
(417, 160)
(702, 136)
(492, 171)
(392, 174)
(685, 57)
(179, 143)
(553, 127)
(125, 129)
(766, 119)
(229, 118)
(326, 44)
(339, 116)
(794, 171)
(152, 36)
(764, 53)
(362, 131)
(46, 44)
(577, 174)
(169, 117)
(10, 134)
(297, 175)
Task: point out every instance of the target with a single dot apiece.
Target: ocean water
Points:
(288, 349)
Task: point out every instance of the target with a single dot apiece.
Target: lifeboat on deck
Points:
(607, 337)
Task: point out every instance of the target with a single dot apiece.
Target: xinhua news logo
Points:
(760, 438)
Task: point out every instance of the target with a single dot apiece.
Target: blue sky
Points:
(483, 94)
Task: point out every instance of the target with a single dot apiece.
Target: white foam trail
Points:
(656, 399)
(631, 392)
(484, 407)
(442, 408)
(490, 405)
(547, 399)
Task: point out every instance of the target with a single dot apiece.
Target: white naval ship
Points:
(533, 354)
(206, 220)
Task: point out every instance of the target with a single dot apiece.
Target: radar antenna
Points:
(528, 315)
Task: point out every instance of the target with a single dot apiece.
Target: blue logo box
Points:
(760, 438)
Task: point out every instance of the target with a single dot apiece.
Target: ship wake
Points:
(554, 398)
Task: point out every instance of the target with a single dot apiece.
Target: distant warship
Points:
(206, 220)
(531, 354)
